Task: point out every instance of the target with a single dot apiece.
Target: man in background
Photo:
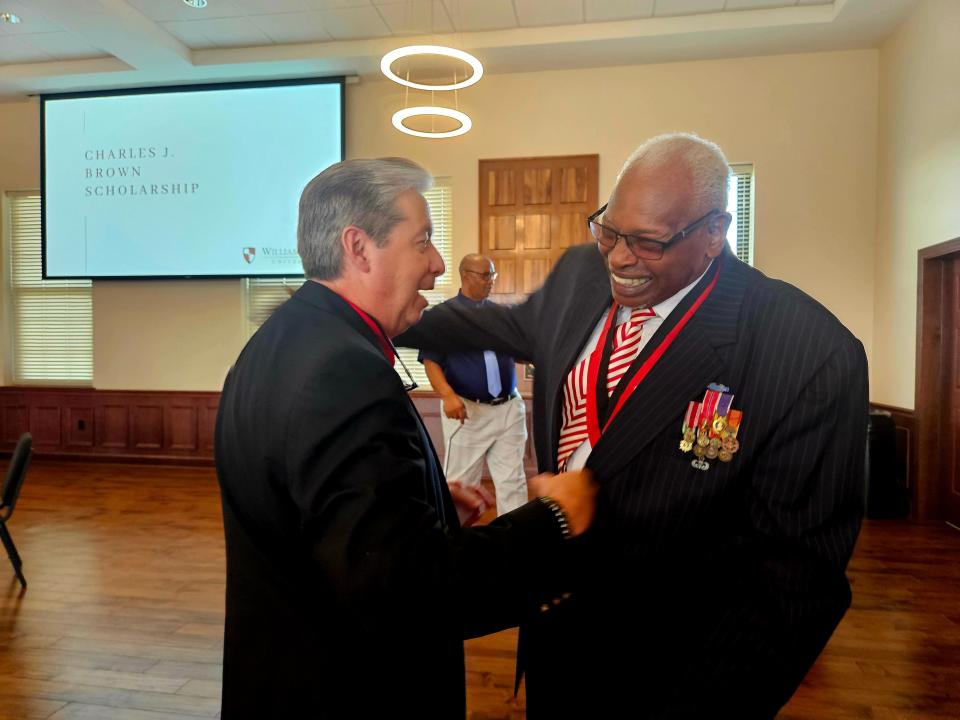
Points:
(484, 417)
(351, 583)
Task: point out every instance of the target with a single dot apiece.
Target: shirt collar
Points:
(469, 301)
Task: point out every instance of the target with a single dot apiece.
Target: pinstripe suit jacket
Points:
(698, 593)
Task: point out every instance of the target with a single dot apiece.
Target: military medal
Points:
(712, 432)
(729, 444)
(703, 425)
(689, 434)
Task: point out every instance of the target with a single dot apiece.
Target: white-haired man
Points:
(350, 582)
(723, 415)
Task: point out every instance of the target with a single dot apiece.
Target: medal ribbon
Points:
(593, 423)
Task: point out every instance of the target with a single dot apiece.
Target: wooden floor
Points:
(123, 616)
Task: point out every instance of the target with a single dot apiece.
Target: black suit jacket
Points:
(350, 585)
(720, 587)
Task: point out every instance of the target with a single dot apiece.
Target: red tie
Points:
(626, 345)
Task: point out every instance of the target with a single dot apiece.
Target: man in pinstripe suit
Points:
(724, 415)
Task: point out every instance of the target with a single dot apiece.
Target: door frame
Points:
(932, 403)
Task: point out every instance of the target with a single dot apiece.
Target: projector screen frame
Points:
(341, 80)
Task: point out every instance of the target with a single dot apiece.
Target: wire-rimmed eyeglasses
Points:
(484, 275)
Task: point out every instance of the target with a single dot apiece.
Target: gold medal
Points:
(719, 424)
(711, 452)
(689, 435)
(698, 450)
(703, 440)
(725, 456)
(731, 444)
(715, 442)
(686, 445)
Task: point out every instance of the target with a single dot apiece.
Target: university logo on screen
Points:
(275, 256)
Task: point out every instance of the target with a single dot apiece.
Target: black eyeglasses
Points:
(408, 386)
(484, 275)
(642, 247)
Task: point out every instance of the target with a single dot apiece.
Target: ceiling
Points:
(72, 45)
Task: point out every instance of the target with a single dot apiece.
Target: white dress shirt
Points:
(650, 327)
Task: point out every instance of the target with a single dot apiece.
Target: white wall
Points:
(918, 180)
(807, 122)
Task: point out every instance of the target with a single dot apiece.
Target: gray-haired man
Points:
(350, 582)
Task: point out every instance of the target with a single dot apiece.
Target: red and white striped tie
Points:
(626, 345)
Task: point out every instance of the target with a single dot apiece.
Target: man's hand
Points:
(575, 491)
(454, 408)
(471, 502)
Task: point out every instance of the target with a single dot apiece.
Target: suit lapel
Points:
(326, 300)
(693, 361)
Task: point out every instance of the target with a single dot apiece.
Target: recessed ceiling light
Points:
(9, 18)
(196, 3)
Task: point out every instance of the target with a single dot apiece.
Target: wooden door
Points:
(531, 210)
(951, 348)
(938, 383)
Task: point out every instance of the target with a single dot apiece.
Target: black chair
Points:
(11, 491)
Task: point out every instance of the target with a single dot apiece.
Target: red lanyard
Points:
(385, 345)
(593, 421)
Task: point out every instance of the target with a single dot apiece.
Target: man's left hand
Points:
(471, 502)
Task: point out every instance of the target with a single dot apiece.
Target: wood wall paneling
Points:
(16, 421)
(525, 231)
(78, 421)
(150, 426)
(83, 422)
(537, 186)
(574, 184)
(146, 422)
(507, 280)
(45, 425)
(502, 232)
(502, 187)
(206, 421)
(181, 427)
(534, 231)
(113, 426)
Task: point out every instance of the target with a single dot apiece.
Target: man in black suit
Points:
(350, 582)
(723, 415)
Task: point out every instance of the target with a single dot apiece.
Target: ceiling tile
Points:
(471, 15)
(15, 50)
(65, 46)
(270, 7)
(164, 10)
(354, 23)
(234, 32)
(758, 4)
(666, 8)
(599, 10)
(416, 17)
(548, 12)
(336, 4)
(298, 27)
(189, 33)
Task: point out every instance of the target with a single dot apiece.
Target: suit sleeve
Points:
(360, 482)
(805, 505)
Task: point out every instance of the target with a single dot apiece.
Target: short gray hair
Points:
(360, 192)
(705, 160)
